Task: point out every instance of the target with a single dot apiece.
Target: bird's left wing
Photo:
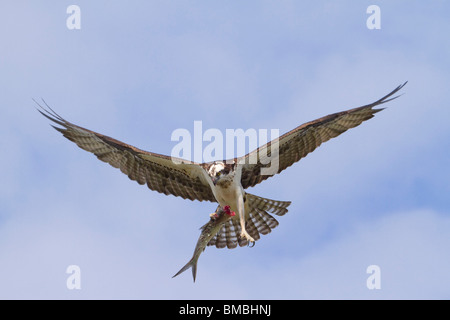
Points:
(299, 142)
(161, 173)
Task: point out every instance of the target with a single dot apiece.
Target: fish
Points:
(209, 230)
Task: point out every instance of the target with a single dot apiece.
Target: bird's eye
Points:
(218, 174)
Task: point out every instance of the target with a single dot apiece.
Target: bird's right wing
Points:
(161, 173)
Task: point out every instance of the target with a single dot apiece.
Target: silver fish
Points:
(209, 230)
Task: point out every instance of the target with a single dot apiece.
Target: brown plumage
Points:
(299, 142)
(161, 173)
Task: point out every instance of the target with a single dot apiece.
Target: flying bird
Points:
(221, 181)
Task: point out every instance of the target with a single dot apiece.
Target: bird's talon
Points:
(245, 235)
(214, 216)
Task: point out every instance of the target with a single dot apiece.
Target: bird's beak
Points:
(214, 180)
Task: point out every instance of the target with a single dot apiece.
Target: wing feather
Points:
(161, 173)
(299, 142)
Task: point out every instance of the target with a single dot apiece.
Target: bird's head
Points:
(221, 172)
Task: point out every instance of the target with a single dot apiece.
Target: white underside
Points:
(232, 195)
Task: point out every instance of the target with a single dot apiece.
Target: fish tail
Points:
(191, 264)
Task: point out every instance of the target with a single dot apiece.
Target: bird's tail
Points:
(191, 264)
(273, 206)
(258, 221)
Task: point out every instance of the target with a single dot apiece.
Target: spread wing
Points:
(304, 139)
(161, 173)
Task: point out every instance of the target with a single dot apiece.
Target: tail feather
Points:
(191, 264)
(259, 221)
(264, 221)
(273, 206)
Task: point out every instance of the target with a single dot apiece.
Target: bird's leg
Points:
(241, 210)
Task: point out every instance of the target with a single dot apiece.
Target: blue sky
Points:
(377, 195)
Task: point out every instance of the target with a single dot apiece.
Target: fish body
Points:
(209, 230)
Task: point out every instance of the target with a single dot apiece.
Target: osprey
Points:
(223, 181)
